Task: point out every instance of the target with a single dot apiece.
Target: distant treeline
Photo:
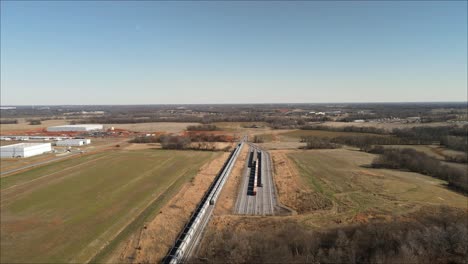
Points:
(273, 122)
(181, 142)
(438, 236)
(412, 160)
(363, 142)
(205, 127)
(453, 137)
(424, 117)
(357, 129)
(207, 137)
(318, 143)
(8, 121)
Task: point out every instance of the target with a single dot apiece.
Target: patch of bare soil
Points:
(228, 196)
(152, 243)
(292, 192)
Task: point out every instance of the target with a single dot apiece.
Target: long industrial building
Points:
(75, 128)
(24, 150)
(73, 142)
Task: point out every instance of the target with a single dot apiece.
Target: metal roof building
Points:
(73, 142)
(75, 128)
(24, 150)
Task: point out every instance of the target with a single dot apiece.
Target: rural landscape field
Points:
(127, 196)
(68, 211)
(212, 132)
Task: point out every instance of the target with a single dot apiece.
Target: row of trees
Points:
(318, 143)
(412, 160)
(208, 137)
(363, 142)
(34, 122)
(8, 121)
(205, 141)
(275, 122)
(204, 127)
(358, 129)
(366, 142)
(453, 137)
(174, 142)
(442, 238)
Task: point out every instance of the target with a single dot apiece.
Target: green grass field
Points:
(339, 175)
(67, 211)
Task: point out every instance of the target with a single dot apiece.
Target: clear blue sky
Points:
(117, 52)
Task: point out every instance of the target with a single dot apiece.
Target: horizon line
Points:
(362, 102)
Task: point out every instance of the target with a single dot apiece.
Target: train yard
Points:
(257, 192)
(256, 197)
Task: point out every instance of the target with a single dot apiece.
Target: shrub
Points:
(8, 121)
(35, 122)
(258, 139)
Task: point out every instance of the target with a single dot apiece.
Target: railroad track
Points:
(263, 200)
(191, 234)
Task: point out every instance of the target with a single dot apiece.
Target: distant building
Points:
(75, 142)
(75, 128)
(413, 119)
(24, 150)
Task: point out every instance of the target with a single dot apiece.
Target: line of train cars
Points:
(255, 176)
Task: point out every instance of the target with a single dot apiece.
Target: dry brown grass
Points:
(227, 198)
(292, 190)
(24, 126)
(364, 193)
(150, 244)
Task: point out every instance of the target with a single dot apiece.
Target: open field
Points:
(13, 163)
(23, 125)
(359, 193)
(151, 243)
(97, 144)
(67, 211)
(290, 139)
(329, 190)
(169, 127)
(9, 142)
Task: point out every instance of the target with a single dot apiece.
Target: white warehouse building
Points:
(24, 150)
(73, 142)
(75, 128)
